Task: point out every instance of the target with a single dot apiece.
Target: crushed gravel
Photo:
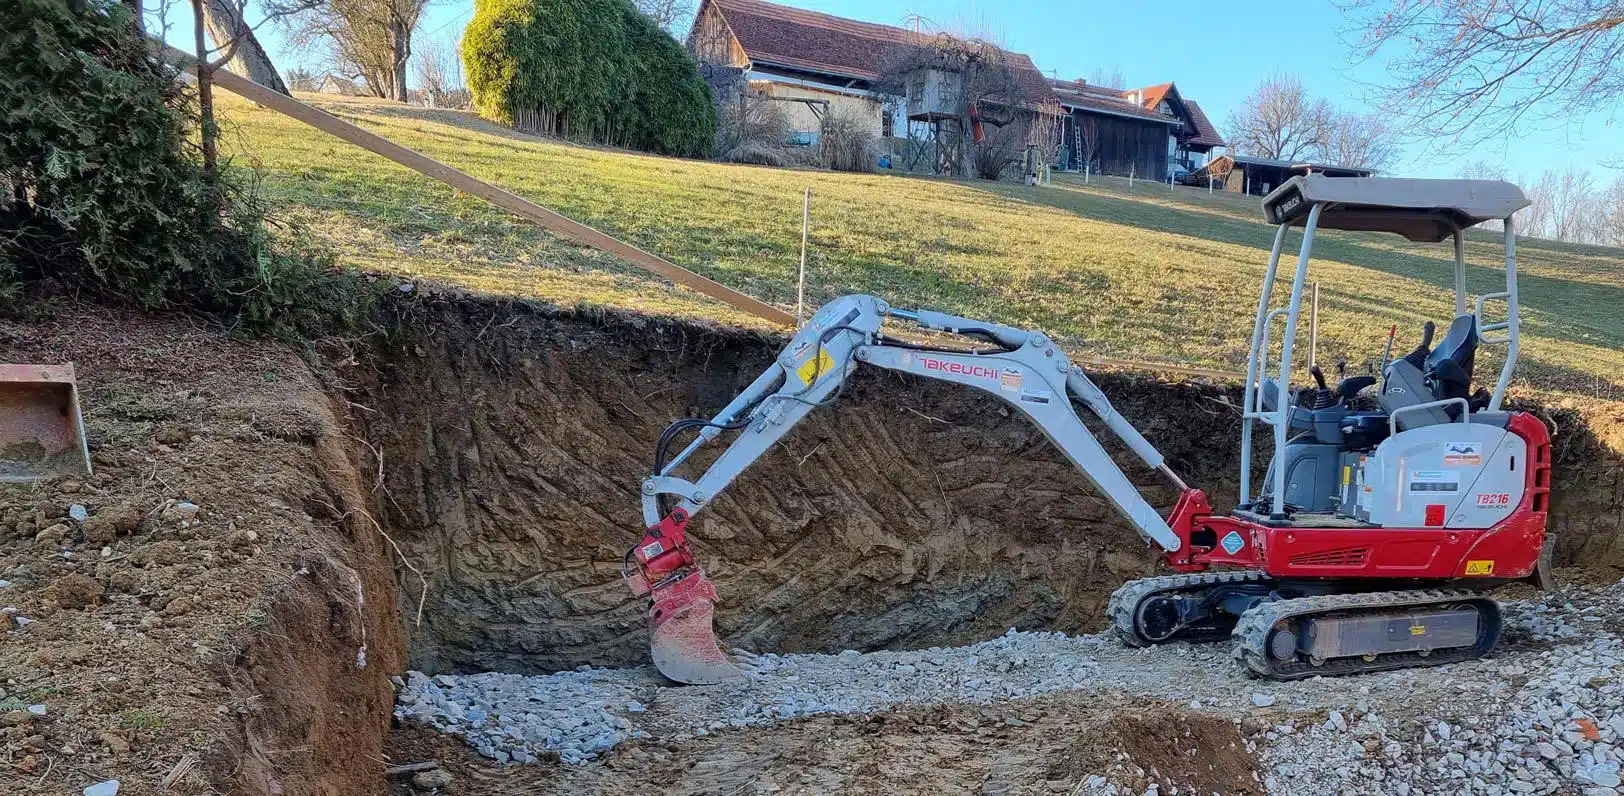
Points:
(1545, 715)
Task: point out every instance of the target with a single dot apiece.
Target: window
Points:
(887, 123)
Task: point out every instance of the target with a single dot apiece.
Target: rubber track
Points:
(1251, 634)
(1124, 602)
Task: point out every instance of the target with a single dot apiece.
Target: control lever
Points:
(1418, 357)
(1323, 398)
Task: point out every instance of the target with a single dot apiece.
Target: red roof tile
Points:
(1082, 95)
(1205, 133)
(1151, 96)
(778, 35)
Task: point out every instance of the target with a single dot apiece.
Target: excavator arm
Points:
(1024, 369)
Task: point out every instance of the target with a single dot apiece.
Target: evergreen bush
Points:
(595, 70)
(105, 194)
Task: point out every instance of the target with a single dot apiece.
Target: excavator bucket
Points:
(682, 639)
(682, 604)
(42, 433)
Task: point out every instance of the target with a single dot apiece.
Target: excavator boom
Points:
(1024, 369)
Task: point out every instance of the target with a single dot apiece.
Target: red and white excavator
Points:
(1368, 547)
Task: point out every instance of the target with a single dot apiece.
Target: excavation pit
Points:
(271, 536)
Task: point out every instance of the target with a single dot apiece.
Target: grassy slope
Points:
(1146, 273)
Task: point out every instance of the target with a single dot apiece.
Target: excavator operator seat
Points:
(1430, 374)
(1449, 366)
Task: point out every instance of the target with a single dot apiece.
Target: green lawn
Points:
(1147, 273)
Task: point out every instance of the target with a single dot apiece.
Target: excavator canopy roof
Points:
(1421, 210)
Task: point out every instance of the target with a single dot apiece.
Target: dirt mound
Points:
(202, 625)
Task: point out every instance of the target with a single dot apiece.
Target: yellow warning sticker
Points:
(1480, 567)
(816, 367)
(1347, 474)
(1418, 630)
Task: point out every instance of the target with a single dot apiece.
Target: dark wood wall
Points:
(1125, 145)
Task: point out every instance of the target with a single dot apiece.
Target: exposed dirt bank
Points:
(205, 624)
(912, 514)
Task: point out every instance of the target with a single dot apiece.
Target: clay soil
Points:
(211, 649)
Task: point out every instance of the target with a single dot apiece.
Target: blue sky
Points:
(1193, 44)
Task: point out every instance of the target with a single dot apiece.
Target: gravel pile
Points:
(1544, 716)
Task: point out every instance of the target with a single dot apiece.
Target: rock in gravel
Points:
(107, 788)
(182, 510)
(1263, 700)
(433, 779)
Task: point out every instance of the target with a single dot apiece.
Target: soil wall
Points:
(911, 514)
(211, 610)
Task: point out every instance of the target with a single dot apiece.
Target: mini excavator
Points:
(1376, 531)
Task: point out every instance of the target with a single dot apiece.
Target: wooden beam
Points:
(547, 219)
(554, 221)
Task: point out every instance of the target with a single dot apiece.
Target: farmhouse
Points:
(1150, 132)
(820, 64)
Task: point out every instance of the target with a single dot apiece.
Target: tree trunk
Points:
(225, 25)
(401, 39)
(205, 93)
(135, 8)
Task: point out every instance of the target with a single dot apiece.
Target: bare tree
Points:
(1359, 140)
(1610, 216)
(235, 39)
(1474, 69)
(209, 61)
(1043, 135)
(1483, 170)
(1565, 206)
(984, 86)
(366, 39)
(1099, 77)
(668, 14)
(1537, 220)
(438, 68)
(1088, 143)
(1574, 206)
(1280, 121)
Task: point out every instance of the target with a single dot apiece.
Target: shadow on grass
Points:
(1569, 308)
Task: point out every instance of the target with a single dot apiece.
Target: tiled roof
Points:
(1150, 96)
(1082, 95)
(1205, 133)
(778, 35)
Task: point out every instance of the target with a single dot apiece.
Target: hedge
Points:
(595, 70)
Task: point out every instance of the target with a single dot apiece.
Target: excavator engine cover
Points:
(42, 433)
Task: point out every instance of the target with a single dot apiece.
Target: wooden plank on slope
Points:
(550, 220)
